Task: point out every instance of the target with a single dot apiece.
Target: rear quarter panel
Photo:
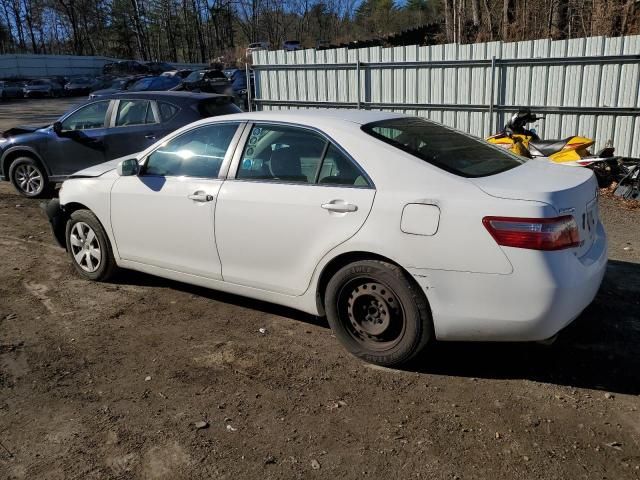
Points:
(461, 242)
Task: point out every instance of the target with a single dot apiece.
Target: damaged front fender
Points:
(58, 220)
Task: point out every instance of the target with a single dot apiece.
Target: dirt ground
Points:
(102, 381)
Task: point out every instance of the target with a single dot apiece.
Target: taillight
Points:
(534, 233)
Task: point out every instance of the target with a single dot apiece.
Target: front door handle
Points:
(200, 196)
(339, 206)
(150, 136)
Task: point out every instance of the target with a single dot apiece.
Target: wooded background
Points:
(203, 30)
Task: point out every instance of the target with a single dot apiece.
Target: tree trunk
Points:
(137, 21)
(559, 19)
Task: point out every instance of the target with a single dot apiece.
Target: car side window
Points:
(338, 169)
(296, 155)
(167, 111)
(90, 116)
(196, 153)
(134, 112)
(282, 154)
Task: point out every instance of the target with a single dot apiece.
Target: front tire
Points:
(29, 178)
(378, 313)
(88, 247)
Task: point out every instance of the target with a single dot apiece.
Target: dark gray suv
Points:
(35, 158)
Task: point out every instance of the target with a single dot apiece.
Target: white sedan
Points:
(400, 230)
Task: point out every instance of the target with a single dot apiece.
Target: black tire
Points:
(106, 264)
(378, 313)
(29, 178)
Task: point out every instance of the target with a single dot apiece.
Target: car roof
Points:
(167, 95)
(312, 116)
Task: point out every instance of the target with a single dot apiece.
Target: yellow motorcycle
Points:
(572, 151)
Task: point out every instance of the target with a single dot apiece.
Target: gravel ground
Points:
(101, 381)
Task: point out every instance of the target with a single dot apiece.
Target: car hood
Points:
(102, 168)
(12, 132)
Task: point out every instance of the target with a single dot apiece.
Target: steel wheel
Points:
(372, 313)
(29, 179)
(85, 247)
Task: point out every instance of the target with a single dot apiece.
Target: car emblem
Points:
(567, 210)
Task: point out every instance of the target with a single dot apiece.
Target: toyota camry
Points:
(400, 230)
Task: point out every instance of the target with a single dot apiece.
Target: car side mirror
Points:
(57, 128)
(128, 167)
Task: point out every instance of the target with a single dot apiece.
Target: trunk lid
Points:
(570, 190)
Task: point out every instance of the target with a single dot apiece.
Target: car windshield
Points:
(217, 106)
(38, 82)
(443, 147)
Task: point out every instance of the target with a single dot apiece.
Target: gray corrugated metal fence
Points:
(50, 65)
(586, 86)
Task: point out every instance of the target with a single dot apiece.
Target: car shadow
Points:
(130, 277)
(597, 351)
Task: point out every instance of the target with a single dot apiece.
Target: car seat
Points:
(286, 165)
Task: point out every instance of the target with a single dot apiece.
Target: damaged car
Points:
(402, 231)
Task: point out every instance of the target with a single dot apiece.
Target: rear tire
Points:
(29, 178)
(89, 247)
(378, 312)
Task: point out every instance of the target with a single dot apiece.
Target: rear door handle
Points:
(150, 136)
(339, 206)
(200, 196)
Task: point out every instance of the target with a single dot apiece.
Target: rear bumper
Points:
(533, 303)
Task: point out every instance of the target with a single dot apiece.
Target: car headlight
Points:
(3, 140)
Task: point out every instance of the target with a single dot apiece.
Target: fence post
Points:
(493, 83)
(248, 74)
(358, 78)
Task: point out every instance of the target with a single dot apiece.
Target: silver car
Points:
(42, 88)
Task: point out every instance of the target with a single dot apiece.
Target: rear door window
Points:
(217, 106)
(443, 147)
(134, 112)
(338, 169)
(280, 153)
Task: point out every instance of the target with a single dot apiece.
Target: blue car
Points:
(34, 159)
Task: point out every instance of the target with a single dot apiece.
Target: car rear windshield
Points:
(443, 147)
(217, 106)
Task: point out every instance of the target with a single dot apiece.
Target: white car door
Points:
(291, 198)
(164, 216)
